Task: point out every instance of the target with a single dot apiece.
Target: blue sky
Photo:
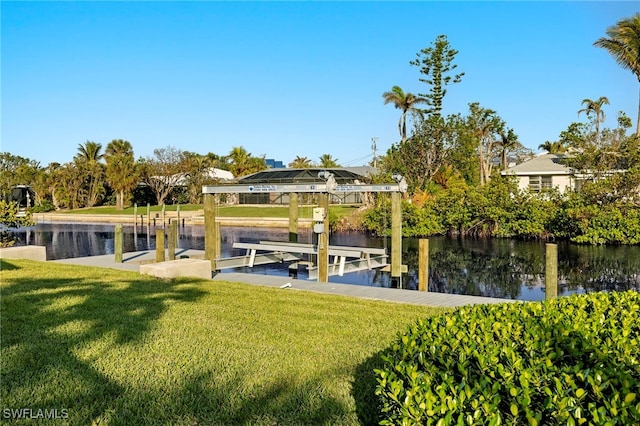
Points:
(287, 79)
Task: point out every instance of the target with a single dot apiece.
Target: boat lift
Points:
(291, 251)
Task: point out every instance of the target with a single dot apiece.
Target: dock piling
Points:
(423, 265)
(551, 271)
(160, 244)
(117, 243)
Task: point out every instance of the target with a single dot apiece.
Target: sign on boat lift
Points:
(286, 250)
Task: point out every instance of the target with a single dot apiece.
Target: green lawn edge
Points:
(222, 211)
(117, 347)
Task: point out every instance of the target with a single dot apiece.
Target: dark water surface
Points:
(483, 267)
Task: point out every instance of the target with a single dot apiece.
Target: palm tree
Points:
(405, 102)
(327, 160)
(623, 43)
(593, 110)
(121, 169)
(88, 160)
(556, 147)
(300, 163)
(508, 142)
(89, 152)
(238, 158)
(485, 124)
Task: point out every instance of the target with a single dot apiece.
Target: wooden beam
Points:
(211, 236)
(173, 239)
(117, 242)
(423, 264)
(396, 235)
(293, 217)
(323, 242)
(551, 271)
(160, 244)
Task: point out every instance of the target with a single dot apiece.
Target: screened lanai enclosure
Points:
(342, 176)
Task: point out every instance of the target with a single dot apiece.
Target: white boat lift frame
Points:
(286, 250)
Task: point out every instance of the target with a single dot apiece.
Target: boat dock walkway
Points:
(133, 260)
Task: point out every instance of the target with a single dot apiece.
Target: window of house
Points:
(537, 183)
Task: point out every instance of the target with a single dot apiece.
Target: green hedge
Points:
(572, 360)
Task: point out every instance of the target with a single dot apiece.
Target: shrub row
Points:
(501, 210)
(572, 360)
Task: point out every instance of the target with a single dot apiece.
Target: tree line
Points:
(452, 163)
(114, 177)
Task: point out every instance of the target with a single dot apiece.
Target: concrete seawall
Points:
(189, 218)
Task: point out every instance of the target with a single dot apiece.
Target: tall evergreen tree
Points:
(436, 64)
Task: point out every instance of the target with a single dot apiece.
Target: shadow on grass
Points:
(52, 329)
(364, 390)
(7, 266)
(206, 399)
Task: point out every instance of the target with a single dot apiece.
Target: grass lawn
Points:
(223, 211)
(120, 348)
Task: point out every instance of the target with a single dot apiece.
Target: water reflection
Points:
(483, 267)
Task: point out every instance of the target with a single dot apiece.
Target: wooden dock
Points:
(345, 258)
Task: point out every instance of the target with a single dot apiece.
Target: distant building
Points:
(274, 164)
(543, 172)
(342, 175)
(24, 196)
(182, 179)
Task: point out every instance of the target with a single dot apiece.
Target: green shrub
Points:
(572, 360)
(10, 218)
(44, 207)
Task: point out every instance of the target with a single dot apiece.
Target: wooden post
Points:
(293, 217)
(423, 265)
(218, 239)
(117, 243)
(551, 271)
(178, 211)
(323, 242)
(135, 215)
(163, 216)
(210, 232)
(396, 238)
(173, 237)
(148, 214)
(160, 244)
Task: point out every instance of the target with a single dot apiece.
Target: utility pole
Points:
(373, 147)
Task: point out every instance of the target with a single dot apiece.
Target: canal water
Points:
(500, 268)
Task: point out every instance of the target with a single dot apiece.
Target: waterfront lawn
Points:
(118, 347)
(222, 211)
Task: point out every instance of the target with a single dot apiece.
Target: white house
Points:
(543, 171)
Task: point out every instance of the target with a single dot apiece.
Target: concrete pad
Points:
(178, 268)
(24, 252)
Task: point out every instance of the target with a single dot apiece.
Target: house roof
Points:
(342, 175)
(544, 164)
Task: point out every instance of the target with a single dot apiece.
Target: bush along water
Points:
(499, 209)
(572, 360)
